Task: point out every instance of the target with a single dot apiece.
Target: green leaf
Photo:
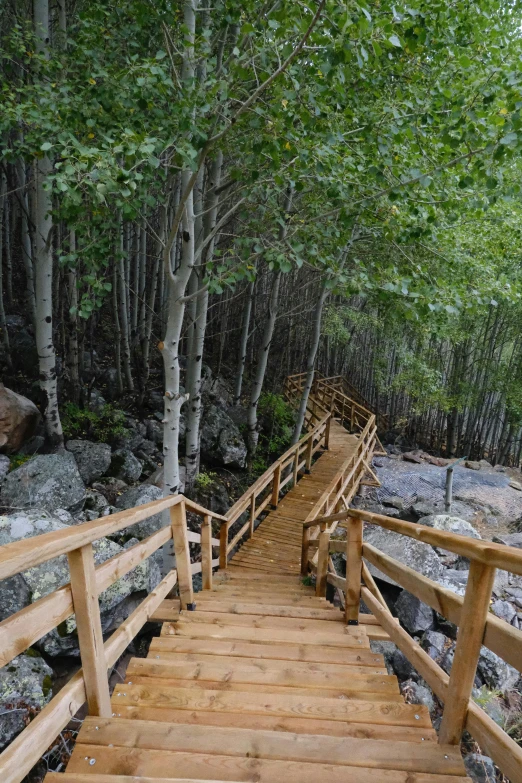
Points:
(395, 41)
(46, 146)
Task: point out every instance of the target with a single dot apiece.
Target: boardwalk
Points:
(264, 681)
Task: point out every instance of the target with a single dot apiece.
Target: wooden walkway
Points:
(264, 682)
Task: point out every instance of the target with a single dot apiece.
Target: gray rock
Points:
(403, 668)
(138, 496)
(414, 614)
(221, 440)
(110, 487)
(25, 686)
(4, 466)
(93, 459)
(416, 693)
(377, 508)
(504, 610)
(96, 503)
(434, 643)
(472, 465)
(394, 502)
(450, 524)
(421, 557)
(423, 509)
(16, 595)
(125, 466)
(447, 659)
(496, 673)
(512, 539)
(480, 768)
(387, 650)
(516, 594)
(19, 418)
(155, 431)
(47, 481)
(454, 579)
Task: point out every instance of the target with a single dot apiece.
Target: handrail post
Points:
(327, 432)
(296, 464)
(90, 636)
(309, 449)
(252, 514)
(276, 483)
(223, 544)
(178, 521)
(322, 561)
(469, 641)
(206, 552)
(354, 539)
(304, 550)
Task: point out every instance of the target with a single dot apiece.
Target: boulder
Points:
(138, 496)
(415, 693)
(18, 420)
(481, 769)
(125, 466)
(434, 643)
(511, 539)
(387, 650)
(156, 478)
(411, 456)
(394, 502)
(415, 554)
(25, 687)
(504, 610)
(111, 488)
(39, 581)
(5, 463)
(155, 431)
(496, 673)
(16, 595)
(454, 579)
(96, 504)
(423, 509)
(221, 440)
(47, 481)
(515, 485)
(450, 524)
(93, 459)
(472, 465)
(414, 615)
(516, 595)
(403, 668)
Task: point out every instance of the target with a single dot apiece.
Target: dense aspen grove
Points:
(264, 189)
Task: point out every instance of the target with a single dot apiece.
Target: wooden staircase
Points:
(264, 682)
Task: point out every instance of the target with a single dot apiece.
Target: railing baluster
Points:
(223, 544)
(322, 561)
(354, 538)
(309, 449)
(206, 552)
(252, 514)
(90, 636)
(304, 550)
(276, 483)
(467, 651)
(178, 521)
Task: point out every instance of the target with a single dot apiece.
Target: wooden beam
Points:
(322, 563)
(178, 519)
(223, 543)
(88, 624)
(206, 552)
(354, 540)
(467, 651)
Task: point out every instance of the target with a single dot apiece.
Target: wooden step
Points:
(358, 655)
(215, 607)
(278, 704)
(240, 672)
(245, 743)
(333, 625)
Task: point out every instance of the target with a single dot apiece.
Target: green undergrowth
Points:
(104, 425)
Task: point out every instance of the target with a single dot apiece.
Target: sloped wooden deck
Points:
(264, 682)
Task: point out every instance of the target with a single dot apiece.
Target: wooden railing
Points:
(470, 613)
(268, 487)
(21, 630)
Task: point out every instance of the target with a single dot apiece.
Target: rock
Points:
(377, 508)
(402, 667)
(411, 456)
(450, 524)
(138, 496)
(414, 614)
(515, 485)
(454, 579)
(472, 465)
(511, 539)
(47, 481)
(221, 440)
(4, 466)
(378, 463)
(156, 478)
(111, 488)
(387, 650)
(516, 594)
(415, 693)
(423, 509)
(16, 595)
(480, 768)
(25, 687)
(496, 673)
(96, 504)
(490, 520)
(23, 351)
(155, 431)
(447, 658)
(501, 582)
(33, 445)
(394, 502)
(18, 420)
(434, 643)
(415, 554)
(125, 466)
(504, 610)
(499, 468)
(93, 459)
(238, 414)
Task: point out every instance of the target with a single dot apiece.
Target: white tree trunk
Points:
(243, 342)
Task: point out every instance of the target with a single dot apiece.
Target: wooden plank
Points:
(354, 540)
(310, 653)
(178, 520)
(88, 624)
(206, 552)
(335, 626)
(328, 614)
(354, 710)
(212, 766)
(501, 638)
(467, 652)
(331, 728)
(272, 664)
(262, 635)
(271, 745)
(322, 563)
(223, 543)
(240, 673)
(168, 611)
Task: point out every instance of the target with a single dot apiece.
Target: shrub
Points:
(104, 425)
